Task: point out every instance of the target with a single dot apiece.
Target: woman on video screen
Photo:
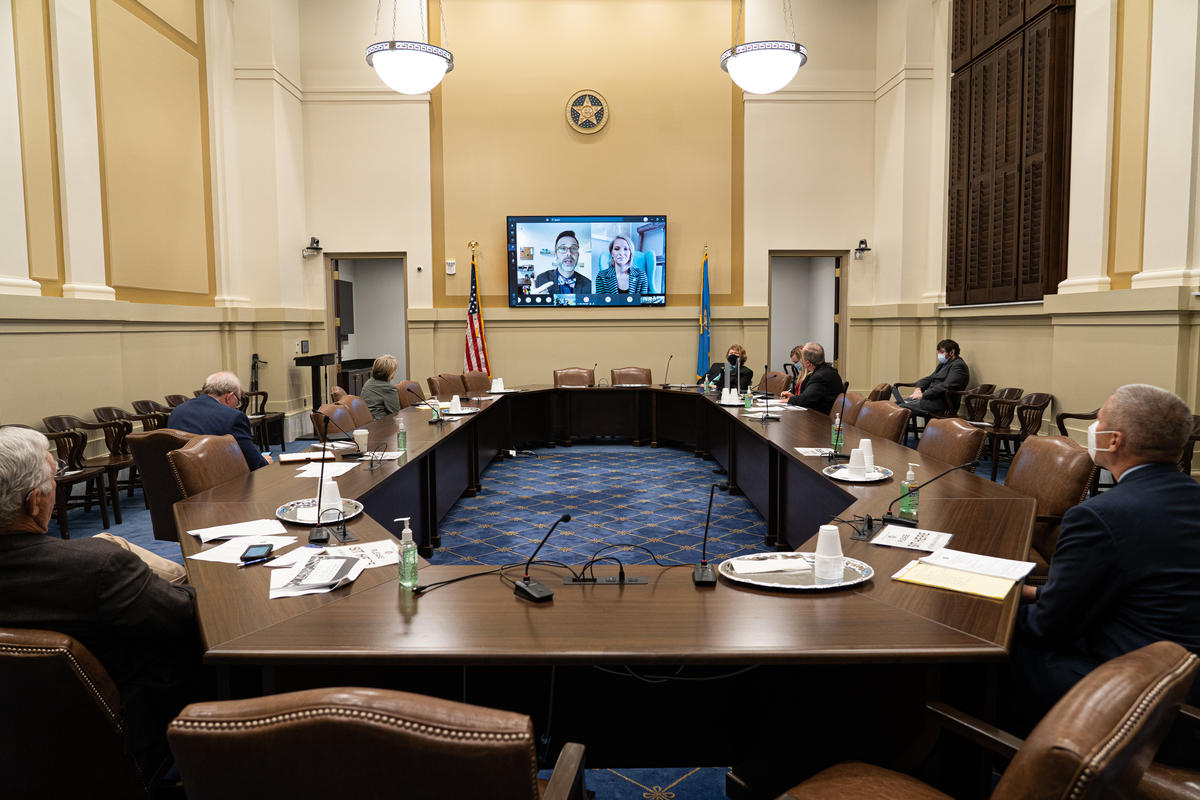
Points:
(621, 277)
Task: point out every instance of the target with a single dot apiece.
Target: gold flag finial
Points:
(473, 245)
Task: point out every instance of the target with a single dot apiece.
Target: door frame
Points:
(841, 308)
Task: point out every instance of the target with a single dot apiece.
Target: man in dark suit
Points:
(742, 375)
(820, 386)
(563, 279)
(141, 628)
(1126, 570)
(930, 392)
(216, 412)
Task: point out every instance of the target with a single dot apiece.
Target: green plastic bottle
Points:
(835, 435)
(910, 500)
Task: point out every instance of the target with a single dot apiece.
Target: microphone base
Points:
(837, 457)
(704, 575)
(532, 591)
(891, 519)
(342, 535)
(319, 535)
(606, 580)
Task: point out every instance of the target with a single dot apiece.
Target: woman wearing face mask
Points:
(930, 392)
(742, 375)
(621, 277)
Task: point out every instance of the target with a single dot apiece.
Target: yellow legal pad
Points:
(956, 580)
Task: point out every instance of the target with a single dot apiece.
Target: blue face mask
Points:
(942, 358)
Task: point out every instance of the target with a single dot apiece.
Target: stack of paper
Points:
(330, 470)
(320, 573)
(254, 527)
(912, 538)
(231, 552)
(985, 576)
(305, 455)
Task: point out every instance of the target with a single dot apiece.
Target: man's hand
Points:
(916, 395)
(267, 458)
(784, 395)
(1028, 593)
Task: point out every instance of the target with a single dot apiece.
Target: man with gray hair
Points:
(1126, 569)
(216, 412)
(99, 591)
(821, 385)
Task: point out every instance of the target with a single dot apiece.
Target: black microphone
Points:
(437, 412)
(890, 519)
(667, 371)
(705, 574)
(320, 534)
(593, 383)
(739, 375)
(329, 421)
(836, 453)
(532, 590)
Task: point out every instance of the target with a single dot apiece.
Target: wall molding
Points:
(813, 96)
(360, 95)
(919, 72)
(268, 72)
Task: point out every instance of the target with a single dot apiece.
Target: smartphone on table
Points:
(256, 551)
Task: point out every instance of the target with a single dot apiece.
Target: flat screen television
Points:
(585, 262)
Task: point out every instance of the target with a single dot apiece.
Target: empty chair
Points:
(118, 457)
(631, 376)
(174, 400)
(69, 446)
(1056, 471)
(261, 420)
(444, 388)
(954, 441)
(332, 420)
(149, 422)
(477, 382)
(359, 412)
(881, 391)
(149, 450)
(1094, 743)
(205, 462)
(574, 376)
(53, 684)
(457, 381)
(410, 393)
(1029, 411)
(147, 408)
(336, 394)
(848, 405)
(883, 419)
(423, 747)
(774, 382)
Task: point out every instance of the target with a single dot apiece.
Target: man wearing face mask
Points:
(952, 373)
(742, 375)
(820, 386)
(1126, 570)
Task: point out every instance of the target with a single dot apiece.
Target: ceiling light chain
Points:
(410, 67)
(766, 66)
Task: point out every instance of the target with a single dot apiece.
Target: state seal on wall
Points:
(587, 111)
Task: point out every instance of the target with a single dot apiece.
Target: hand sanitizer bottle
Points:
(408, 555)
(910, 499)
(835, 434)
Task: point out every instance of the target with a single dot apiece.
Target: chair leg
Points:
(114, 493)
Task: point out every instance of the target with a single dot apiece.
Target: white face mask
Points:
(1092, 432)
(942, 358)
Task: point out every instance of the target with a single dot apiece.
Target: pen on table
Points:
(257, 561)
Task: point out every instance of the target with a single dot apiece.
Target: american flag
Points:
(476, 348)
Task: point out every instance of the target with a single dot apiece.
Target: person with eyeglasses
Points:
(1126, 567)
(216, 412)
(564, 278)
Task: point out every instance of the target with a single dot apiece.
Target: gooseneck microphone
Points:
(667, 371)
(329, 421)
(532, 590)
(437, 412)
(890, 519)
(593, 383)
(705, 574)
(836, 453)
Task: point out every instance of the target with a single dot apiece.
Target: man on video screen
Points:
(563, 279)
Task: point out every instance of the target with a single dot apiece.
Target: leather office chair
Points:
(849, 405)
(954, 441)
(175, 400)
(53, 685)
(574, 376)
(407, 390)
(339, 416)
(337, 394)
(455, 380)
(882, 391)
(477, 382)
(444, 388)
(1056, 471)
(883, 419)
(149, 449)
(637, 376)
(1094, 743)
(359, 412)
(205, 462)
(774, 382)
(420, 747)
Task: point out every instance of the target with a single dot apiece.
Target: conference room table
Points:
(374, 625)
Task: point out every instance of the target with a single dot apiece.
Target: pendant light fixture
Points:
(768, 66)
(410, 67)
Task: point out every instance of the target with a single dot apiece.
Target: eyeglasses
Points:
(562, 248)
(60, 466)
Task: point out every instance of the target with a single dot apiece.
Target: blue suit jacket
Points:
(1126, 571)
(207, 415)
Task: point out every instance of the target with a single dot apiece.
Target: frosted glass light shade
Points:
(764, 67)
(410, 67)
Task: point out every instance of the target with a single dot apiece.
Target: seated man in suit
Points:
(215, 412)
(820, 386)
(100, 591)
(1126, 571)
(563, 279)
(951, 373)
(742, 375)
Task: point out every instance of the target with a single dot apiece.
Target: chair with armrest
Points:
(1060, 421)
(883, 419)
(454, 380)
(254, 404)
(574, 376)
(1094, 743)
(773, 382)
(147, 408)
(423, 747)
(118, 457)
(477, 382)
(53, 684)
(849, 405)
(336, 394)
(149, 449)
(1185, 460)
(206, 461)
(149, 423)
(69, 446)
(1172, 782)
(954, 441)
(175, 400)
(882, 391)
(444, 388)
(961, 394)
(631, 376)
(976, 403)
(1029, 411)
(1056, 471)
(359, 412)
(339, 420)
(410, 393)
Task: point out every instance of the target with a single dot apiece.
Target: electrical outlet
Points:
(451, 266)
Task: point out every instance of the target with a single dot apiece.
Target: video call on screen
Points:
(585, 261)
